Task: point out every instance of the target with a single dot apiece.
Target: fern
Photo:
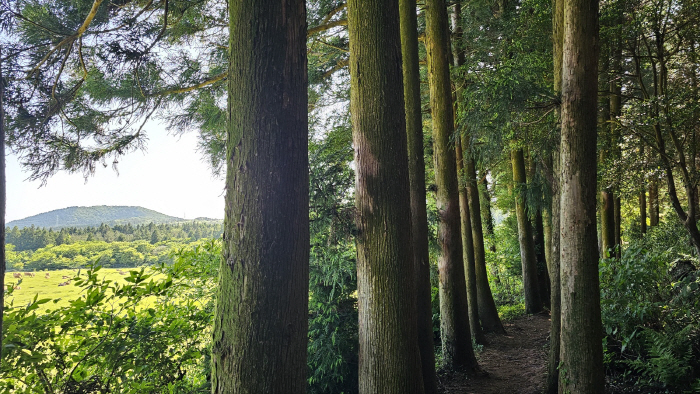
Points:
(669, 357)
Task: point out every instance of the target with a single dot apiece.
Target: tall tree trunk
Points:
(537, 226)
(487, 219)
(458, 56)
(581, 340)
(488, 313)
(654, 203)
(542, 273)
(468, 250)
(389, 354)
(416, 175)
(486, 307)
(643, 200)
(457, 348)
(615, 112)
(607, 199)
(533, 302)
(3, 200)
(618, 226)
(607, 223)
(261, 323)
(552, 386)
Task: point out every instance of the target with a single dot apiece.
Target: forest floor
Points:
(515, 363)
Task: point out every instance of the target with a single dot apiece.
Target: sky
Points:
(171, 177)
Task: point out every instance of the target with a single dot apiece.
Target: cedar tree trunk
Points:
(416, 175)
(533, 302)
(581, 368)
(457, 351)
(388, 335)
(468, 246)
(261, 322)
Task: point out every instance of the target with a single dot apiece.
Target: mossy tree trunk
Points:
(416, 174)
(654, 203)
(261, 322)
(468, 210)
(468, 250)
(533, 302)
(488, 313)
(487, 220)
(552, 384)
(457, 348)
(581, 340)
(388, 335)
(643, 200)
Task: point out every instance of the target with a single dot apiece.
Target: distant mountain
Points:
(94, 216)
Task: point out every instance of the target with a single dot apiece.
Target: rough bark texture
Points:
(261, 323)
(3, 200)
(488, 313)
(581, 341)
(389, 359)
(533, 302)
(487, 220)
(653, 203)
(552, 385)
(618, 225)
(485, 305)
(542, 273)
(468, 249)
(643, 201)
(457, 349)
(416, 174)
(607, 223)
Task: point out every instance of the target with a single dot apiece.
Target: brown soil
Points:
(515, 363)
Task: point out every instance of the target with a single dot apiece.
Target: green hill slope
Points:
(94, 216)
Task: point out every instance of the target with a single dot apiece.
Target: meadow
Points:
(27, 287)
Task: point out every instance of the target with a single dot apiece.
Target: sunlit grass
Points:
(48, 287)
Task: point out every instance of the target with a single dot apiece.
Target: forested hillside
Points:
(39, 249)
(93, 216)
(367, 146)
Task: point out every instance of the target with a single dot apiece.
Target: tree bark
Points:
(487, 219)
(552, 385)
(416, 174)
(542, 273)
(643, 200)
(533, 302)
(488, 313)
(261, 322)
(468, 250)
(457, 351)
(581, 340)
(653, 203)
(389, 354)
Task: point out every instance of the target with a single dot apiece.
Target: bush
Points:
(651, 311)
(150, 335)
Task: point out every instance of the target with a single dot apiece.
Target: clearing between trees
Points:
(516, 363)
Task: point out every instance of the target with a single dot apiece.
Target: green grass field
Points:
(49, 287)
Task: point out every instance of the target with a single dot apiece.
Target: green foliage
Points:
(33, 238)
(651, 312)
(668, 357)
(149, 335)
(333, 342)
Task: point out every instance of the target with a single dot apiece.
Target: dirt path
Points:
(516, 363)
